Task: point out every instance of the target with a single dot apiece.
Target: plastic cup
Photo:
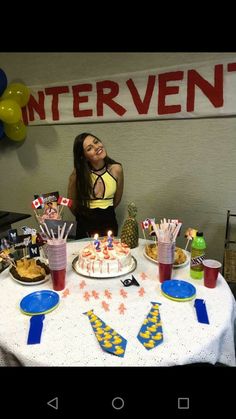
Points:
(211, 271)
(58, 279)
(57, 259)
(165, 271)
(166, 253)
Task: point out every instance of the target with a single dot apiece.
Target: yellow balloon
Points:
(10, 111)
(18, 92)
(16, 132)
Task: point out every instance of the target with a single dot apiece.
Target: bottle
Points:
(197, 256)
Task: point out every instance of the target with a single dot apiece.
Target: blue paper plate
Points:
(39, 302)
(178, 290)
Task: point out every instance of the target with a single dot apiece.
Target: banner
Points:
(184, 91)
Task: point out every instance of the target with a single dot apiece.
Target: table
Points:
(68, 338)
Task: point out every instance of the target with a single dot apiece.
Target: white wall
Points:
(173, 168)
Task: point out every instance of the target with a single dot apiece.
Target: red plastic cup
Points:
(211, 271)
(166, 253)
(165, 271)
(58, 279)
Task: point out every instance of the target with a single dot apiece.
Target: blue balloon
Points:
(3, 81)
(1, 130)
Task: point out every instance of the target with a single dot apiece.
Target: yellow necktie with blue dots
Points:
(150, 334)
(108, 338)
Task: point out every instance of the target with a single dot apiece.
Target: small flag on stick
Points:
(65, 202)
(37, 203)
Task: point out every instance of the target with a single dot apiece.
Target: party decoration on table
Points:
(37, 203)
(146, 226)
(201, 311)
(151, 232)
(151, 334)
(5, 243)
(65, 293)
(95, 294)
(45, 207)
(20, 243)
(123, 293)
(7, 258)
(82, 284)
(105, 306)
(143, 276)
(39, 302)
(97, 243)
(122, 308)
(34, 250)
(167, 231)
(35, 331)
(64, 202)
(190, 233)
(13, 97)
(24, 245)
(108, 294)
(28, 230)
(86, 296)
(50, 206)
(129, 231)
(109, 240)
(141, 292)
(12, 235)
(130, 281)
(178, 290)
(109, 340)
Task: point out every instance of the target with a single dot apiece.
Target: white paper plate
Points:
(32, 282)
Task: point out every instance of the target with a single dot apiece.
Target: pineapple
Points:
(129, 232)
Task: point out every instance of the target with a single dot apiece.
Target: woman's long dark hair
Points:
(83, 173)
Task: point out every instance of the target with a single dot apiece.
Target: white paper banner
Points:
(187, 91)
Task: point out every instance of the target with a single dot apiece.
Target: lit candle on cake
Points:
(109, 240)
(96, 243)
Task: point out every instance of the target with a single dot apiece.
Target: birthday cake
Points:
(106, 261)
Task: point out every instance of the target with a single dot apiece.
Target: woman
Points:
(95, 186)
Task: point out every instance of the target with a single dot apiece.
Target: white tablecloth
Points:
(68, 338)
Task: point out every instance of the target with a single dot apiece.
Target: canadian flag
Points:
(64, 201)
(145, 224)
(37, 202)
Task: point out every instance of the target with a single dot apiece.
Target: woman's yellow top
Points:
(109, 184)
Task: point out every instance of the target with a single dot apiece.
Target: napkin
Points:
(36, 327)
